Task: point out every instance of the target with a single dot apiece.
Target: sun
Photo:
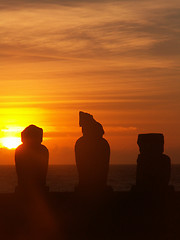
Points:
(11, 142)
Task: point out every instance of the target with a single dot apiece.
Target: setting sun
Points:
(113, 59)
(11, 142)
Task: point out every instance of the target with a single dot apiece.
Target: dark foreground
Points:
(118, 215)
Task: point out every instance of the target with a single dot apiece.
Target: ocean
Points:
(64, 177)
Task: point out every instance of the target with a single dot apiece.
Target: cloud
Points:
(63, 133)
(9, 4)
(118, 60)
(119, 131)
(75, 132)
(121, 30)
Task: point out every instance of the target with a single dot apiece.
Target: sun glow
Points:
(10, 142)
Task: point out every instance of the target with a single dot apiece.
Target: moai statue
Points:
(153, 167)
(92, 154)
(31, 160)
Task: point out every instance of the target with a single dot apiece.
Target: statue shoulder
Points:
(44, 149)
(105, 142)
(19, 148)
(79, 140)
(166, 158)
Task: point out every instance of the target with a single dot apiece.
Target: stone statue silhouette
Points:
(153, 167)
(92, 154)
(31, 160)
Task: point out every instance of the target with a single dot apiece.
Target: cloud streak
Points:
(118, 60)
(84, 35)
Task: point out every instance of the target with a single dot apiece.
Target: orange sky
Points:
(118, 60)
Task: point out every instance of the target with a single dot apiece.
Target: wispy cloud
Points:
(122, 29)
(118, 60)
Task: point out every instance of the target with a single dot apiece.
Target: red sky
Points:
(118, 60)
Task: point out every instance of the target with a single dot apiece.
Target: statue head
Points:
(90, 127)
(151, 143)
(32, 135)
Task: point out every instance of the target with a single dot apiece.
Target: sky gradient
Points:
(118, 60)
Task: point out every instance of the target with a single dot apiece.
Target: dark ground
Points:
(118, 215)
